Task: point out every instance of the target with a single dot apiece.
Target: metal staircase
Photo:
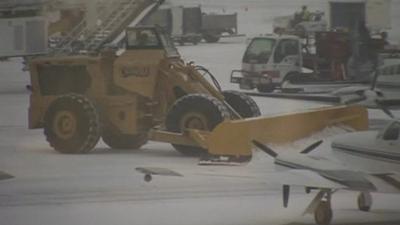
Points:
(114, 21)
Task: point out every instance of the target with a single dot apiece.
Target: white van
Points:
(268, 61)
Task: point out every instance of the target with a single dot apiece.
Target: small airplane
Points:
(352, 168)
(331, 175)
(369, 162)
(328, 176)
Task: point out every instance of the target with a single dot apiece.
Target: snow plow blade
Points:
(233, 138)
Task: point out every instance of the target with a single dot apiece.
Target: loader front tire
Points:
(195, 111)
(72, 124)
(116, 140)
(244, 105)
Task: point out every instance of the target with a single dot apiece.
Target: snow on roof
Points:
(350, 1)
(12, 3)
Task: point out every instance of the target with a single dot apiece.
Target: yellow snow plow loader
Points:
(149, 93)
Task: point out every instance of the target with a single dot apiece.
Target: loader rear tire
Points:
(242, 104)
(196, 111)
(72, 124)
(116, 140)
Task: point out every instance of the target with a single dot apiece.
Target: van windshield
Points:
(392, 133)
(259, 50)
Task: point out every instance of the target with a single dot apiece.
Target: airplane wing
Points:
(307, 171)
(340, 179)
(208, 171)
(332, 179)
(386, 183)
(295, 177)
(305, 178)
(302, 178)
(158, 171)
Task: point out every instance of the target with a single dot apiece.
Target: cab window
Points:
(286, 48)
(142, 39)
(168, 45)
(259, 50)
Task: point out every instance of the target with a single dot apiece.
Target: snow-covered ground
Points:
(103, 188)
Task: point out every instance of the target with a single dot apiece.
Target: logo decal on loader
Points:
(135, 72)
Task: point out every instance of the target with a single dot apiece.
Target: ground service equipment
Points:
(149, 93)
(282, 61)
(191, 24)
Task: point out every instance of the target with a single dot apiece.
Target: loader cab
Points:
(136, 69)
(150, 38)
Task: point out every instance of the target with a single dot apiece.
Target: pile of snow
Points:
(299, 145)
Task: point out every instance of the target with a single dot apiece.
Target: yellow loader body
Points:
(148, 93)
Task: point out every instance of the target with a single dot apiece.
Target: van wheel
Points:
(244, 105)
(266, 88)
(292, 77)
(195, 41)
(210, 38)
(72, 124)
(196, 111)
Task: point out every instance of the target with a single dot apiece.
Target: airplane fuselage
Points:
(376, 145)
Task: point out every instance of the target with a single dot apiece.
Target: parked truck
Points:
(372, 16)
(191, 25)
(339, 14)
(271, 61)
(347, 14)
(23, 28)
(339, 55)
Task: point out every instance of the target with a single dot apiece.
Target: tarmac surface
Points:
(103, 188)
